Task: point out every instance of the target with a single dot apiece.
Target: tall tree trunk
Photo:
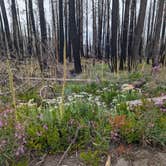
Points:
(74, 37)
(138, 31)
(157, 30)
(131, 33)
(94, 28)
(100, 26)
(124, 51)
(163, 39)
(61, 32)
(34, 32)
(107, 47)
(16, 30)
(114, 40)
(87, 35)
(6, 25)
(43, 31)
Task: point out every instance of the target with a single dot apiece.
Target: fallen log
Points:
(155, 100)
(56, 79)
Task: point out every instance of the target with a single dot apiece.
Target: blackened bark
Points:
(34, 32)
(100, 26)
(125, 35)
(108, 31)
(43, 28)
(74, 37)
(156, 48)
(114, 39)
(131, 33)
(6, 25)
(61, 32)
(138, 31)
(16, 30)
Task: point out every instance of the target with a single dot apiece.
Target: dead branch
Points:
(42, 160)
(56, 79)
(69, 147)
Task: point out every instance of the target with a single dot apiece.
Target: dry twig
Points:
(69, 147)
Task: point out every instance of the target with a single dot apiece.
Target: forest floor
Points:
(136, 157)
(95, 89)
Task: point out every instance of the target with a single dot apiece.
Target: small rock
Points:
(122, 162)
(143, 162)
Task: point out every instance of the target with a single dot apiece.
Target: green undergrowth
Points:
(99, 112)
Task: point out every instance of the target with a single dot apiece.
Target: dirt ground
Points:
(137, 157)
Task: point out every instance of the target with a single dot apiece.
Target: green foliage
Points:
(135, 76)
(91, 158)
(30, 94)
(134, 130)
(46, 133)
(88, 107)
(22, 162)
(108, 96)
(8, 137)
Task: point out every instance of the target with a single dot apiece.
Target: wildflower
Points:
(2, 144)
(45, 127)
(163, 110)
(159, 103)
(70, 98)
(39, 134)
(84, 93)
(40, 116)
(1, 124)
(114, 136)
(20, 150)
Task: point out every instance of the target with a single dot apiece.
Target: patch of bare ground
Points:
(143, 157)
(136, 157)
(52, 160)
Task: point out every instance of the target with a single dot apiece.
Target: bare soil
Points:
(137, 157)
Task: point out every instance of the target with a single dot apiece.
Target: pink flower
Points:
(163, 110)
(20, 150)
(45, 127)
(1, 124)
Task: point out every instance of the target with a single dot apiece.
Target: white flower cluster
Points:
(74, 97)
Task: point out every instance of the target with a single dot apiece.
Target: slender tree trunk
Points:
(94, 28)
(74, 37)
(124, 51)
(6, 25)
(114, 40)
(157, 30)
(138, 31)
(61, 32)
(87, 35)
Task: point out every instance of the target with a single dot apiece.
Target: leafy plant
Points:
(90, 158)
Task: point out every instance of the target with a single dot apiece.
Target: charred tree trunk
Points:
(107, 46)
(94, 28)
(16, 30)
(114, 40)
(74, 37)
(131, 34)
(124, 51)
(43, 31)
(157, 30)
(61, 32)
(34, 33)
(138, 32)
(6, 25)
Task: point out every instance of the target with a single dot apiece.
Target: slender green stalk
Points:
(11, 84)
(64, 83)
